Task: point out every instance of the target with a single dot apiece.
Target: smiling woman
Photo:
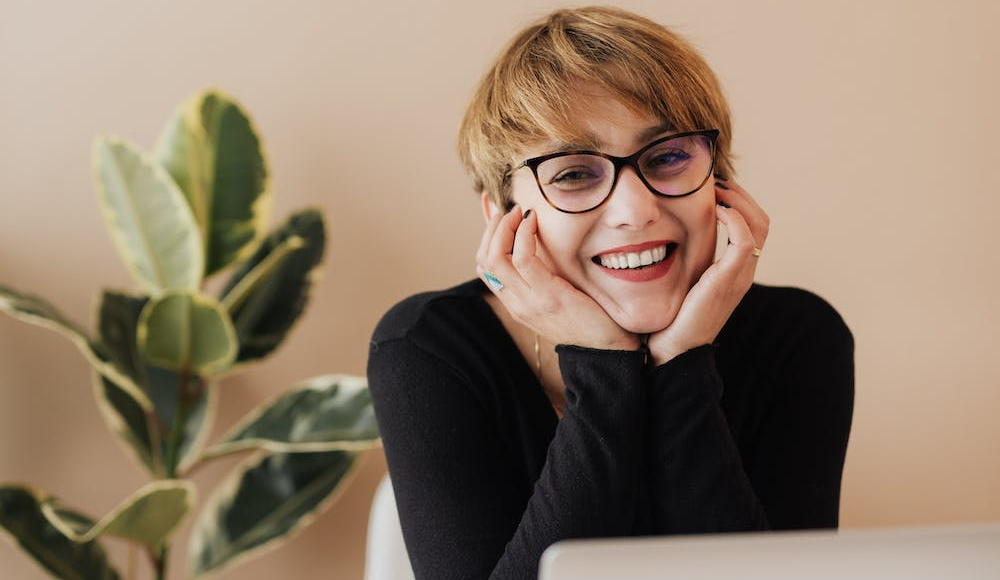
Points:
(866, 130)
(611, 377)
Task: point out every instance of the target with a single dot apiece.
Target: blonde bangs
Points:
(533, 91)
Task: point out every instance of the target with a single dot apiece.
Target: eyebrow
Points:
(591, 142)
(652, 132)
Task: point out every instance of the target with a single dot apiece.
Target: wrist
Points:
(662, 352)
(626, 342)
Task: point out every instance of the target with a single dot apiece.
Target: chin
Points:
(646, 322)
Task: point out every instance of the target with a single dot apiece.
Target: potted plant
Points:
(194, 209)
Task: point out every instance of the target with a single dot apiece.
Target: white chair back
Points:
(385, 554)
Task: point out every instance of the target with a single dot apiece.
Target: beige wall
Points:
(867, 129)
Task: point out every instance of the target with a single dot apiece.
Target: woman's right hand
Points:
(535, 296)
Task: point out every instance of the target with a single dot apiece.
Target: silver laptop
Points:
(965, 552)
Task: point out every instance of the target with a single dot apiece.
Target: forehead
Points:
(600, 121)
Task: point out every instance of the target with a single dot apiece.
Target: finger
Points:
(731, 194)
(524, 241)
(525, 258)
(488, 232)
(496, 264)
(502, 243)
(742, 244)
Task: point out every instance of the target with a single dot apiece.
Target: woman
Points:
(606, 376)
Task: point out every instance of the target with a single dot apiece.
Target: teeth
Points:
(623, 260)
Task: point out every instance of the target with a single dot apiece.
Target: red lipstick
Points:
(646, 273)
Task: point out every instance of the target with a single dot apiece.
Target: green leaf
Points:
(117, 323)
(264, 310)
(255, 278)
(267, 501)
(70, 522)
(150, 222)
(213, 153)
(164, 386)
(144, 432)
(148, 517)
(37, 311)
(21, 515)
(325, 413)
(187, 331)
(128, 421)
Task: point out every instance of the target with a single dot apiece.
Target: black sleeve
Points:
(455, 486)
(799, 458)
(789, 473)
(693, 468)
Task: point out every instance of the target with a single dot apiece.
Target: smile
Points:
(635, 260)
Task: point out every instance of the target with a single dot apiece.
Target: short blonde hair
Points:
(532, 93)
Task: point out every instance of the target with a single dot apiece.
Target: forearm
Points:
(461, 490)
(693, 467)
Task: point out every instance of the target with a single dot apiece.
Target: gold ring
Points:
(756, 252)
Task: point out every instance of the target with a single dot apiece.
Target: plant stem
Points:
(161, 571)
(188, 392)
(159, 561)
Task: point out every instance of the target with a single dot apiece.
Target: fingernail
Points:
(723, 204)
(526, 214)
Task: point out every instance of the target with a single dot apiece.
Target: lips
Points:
(635, 256)
(639, 262)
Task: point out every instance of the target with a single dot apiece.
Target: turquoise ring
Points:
(493, 281)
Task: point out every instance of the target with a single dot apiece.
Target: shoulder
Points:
(436, 346)
(431, 312)
(782, 330)
(791, 348)
(791, 312)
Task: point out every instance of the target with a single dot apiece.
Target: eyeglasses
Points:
(580, 181)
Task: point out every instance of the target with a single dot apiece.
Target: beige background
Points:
(867, 129)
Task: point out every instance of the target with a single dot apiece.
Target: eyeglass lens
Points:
(580, 182)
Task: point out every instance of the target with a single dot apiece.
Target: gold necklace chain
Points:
(538, 358)
(538, 370)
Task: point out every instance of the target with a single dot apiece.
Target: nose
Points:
(631, 204)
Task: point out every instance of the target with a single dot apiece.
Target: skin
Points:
(553, 288)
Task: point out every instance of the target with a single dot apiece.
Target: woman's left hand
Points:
(711, 301)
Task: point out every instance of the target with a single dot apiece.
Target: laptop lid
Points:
(968, 552)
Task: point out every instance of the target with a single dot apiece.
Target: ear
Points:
(489, 208)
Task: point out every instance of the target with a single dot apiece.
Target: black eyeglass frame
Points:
(619, 163)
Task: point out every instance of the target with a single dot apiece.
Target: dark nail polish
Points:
(526, 214)
(723, 204)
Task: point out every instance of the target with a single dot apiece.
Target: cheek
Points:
(559, 239)
(555, 248)
(702, 228)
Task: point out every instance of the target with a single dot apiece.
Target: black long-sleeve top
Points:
(746, 434)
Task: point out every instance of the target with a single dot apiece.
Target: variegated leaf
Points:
(37, 311)
(267, 501)
(212, 151)
(62, 557)
(148, 517)
(187, 330)
(150, 221)
(325, 413)
(264, 311)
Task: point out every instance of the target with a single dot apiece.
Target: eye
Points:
(668, 157)
(572, 173)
